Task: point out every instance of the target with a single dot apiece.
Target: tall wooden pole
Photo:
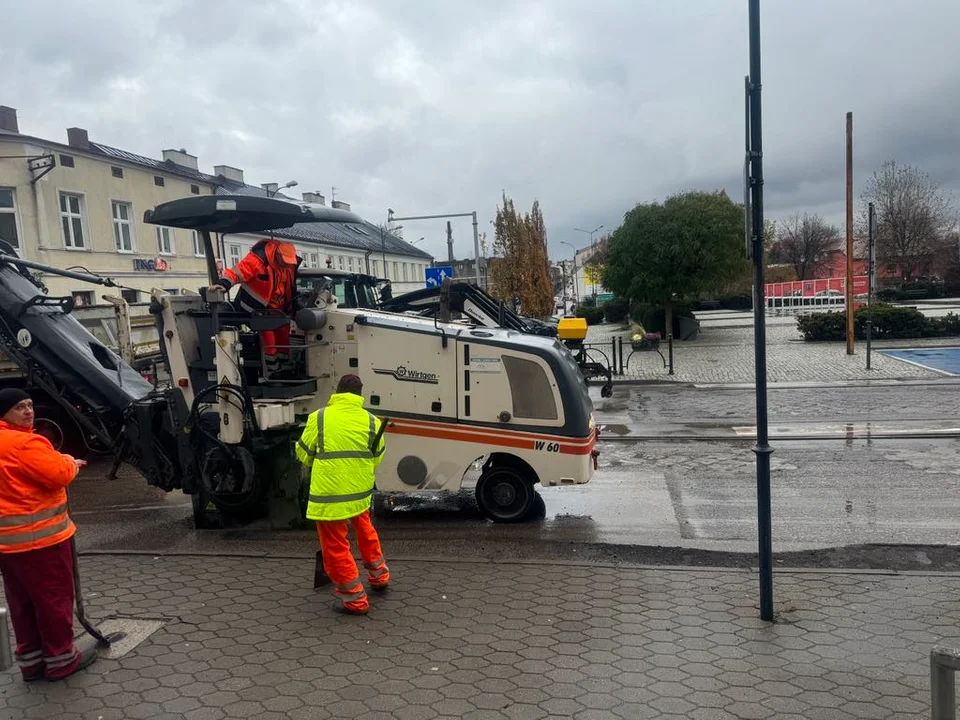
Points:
(849, 283)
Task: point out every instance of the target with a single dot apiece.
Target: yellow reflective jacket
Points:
(337, 446)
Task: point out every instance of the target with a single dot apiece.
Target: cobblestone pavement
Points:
(247, 637)
(725, 355)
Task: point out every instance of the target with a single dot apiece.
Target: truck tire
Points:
(53, 423)
(504, 495)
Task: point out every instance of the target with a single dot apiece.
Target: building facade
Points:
(80, 205)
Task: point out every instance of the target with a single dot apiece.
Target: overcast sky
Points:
(434, 106)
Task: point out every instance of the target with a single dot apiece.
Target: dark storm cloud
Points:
(438, 105)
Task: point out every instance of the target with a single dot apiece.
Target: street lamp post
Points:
(576, 290)
(590, 233)
(476, 233)
(383, 249)
(762, 450)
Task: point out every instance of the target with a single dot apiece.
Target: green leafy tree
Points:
(693, 243)
(522, 268)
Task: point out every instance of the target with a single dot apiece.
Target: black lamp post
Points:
(762, 449)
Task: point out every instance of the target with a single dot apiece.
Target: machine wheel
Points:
(59, 428)
(606, 391)
(504, 495)
(538, 510)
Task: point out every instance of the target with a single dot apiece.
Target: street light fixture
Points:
(576, 290)
(476, 235)
(590, 233)
(273, 188)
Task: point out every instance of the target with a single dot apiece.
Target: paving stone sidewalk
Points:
(725, 355)
(248, 638)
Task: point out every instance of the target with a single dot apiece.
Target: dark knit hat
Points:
(350, 384)
(10, 397)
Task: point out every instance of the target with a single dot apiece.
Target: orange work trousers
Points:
(340, 566)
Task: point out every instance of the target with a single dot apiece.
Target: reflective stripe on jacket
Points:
(337, 446)
(33, 496)
(264, 281)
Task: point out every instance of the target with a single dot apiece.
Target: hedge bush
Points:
(653, 317)
(591, 313)
(616, 310)
(890, 322)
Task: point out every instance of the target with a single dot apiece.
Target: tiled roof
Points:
(358, 236)
(160, 165)
(363, 236)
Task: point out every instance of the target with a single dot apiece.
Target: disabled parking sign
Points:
(436, 275)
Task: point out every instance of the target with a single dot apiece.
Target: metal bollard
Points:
(620, 344)
(613, 364)
(670, 352)
(944, 662)
(6, 659)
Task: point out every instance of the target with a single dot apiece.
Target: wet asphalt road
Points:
(681, 494)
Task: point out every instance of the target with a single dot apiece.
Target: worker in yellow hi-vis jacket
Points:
(342, 445)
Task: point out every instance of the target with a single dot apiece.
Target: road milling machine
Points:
(452, 397)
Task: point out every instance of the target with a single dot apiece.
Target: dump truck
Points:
(452, 397)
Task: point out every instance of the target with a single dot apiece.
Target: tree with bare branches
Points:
(913, 214)
(803, 241)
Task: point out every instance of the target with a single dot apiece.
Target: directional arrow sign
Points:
(436, 275)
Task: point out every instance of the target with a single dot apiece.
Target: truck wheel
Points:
(59, 428)
(504, 495)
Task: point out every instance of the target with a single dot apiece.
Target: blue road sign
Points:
(436, 275)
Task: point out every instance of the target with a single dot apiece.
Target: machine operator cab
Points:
(349, 289)
(451, 396)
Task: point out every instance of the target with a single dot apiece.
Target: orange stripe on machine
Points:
(490, 436)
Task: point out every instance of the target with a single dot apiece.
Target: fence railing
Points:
(799, 305)
(614, 355)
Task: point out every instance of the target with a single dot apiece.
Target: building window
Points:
(340, 262)
(405, 278)
(350, 263)
(396, 271)
(66, 160)
(158, 181)
(71, 216)
(117, 172)
(373, 268)
(122, 227)
(131, 296)
(8, 217)
(195, 189)
(313, 260)
(165, 241)
(234, 255)
(83, 298)
(197, 244)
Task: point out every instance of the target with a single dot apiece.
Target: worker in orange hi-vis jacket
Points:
(36, 558)
(267, 279)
